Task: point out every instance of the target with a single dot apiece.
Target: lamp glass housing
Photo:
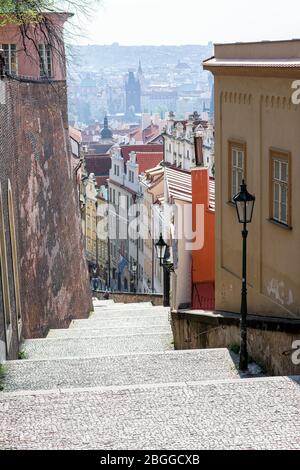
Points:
(244, 203)
(161, 247)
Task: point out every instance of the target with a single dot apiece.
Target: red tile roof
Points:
(98, 164)
(75, 134)
(101, 180)
(179, 184)
(137, 134)
(126, 149)
(148, 160)
(211, 194)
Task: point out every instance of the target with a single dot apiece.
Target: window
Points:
(45, 54)
(10, 56)
(131, 176)
(4, 275)
(14, 254)
(237, 167)
(280, 169)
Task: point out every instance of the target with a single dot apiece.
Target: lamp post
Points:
(244, 203)
(134, 272)
(162, 252)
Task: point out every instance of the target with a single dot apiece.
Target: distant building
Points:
(127, 257)
(106, 135)
(133, 95)
(183, 142)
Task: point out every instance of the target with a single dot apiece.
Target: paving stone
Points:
(85, 347)
(237, 414)
(103, 303)
(117, 306)
(148, 312)
(175, 366)
(91, 332)
(120, 322)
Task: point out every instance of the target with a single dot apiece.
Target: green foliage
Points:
(20, 12)
(23, 355)
(2, 376)
(235, 348)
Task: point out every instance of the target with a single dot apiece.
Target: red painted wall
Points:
(203, 261)
(28, 64)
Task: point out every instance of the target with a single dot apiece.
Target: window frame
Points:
(8, 67)
(14, 253)
(238, 145)
(45, 60)
(4, 277)
(284, 156)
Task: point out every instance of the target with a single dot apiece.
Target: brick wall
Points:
(34, 150)
(269, 339)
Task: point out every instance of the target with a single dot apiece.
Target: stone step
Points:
(229, 414)
(103, 303)
(134, 313)
(82, 347)
(174, 366)
(120, 322)
(126, 307)
(91, 332)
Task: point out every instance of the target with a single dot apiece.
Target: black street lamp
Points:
(161, 248)
(162, 252)
(244, 203)
(134, 272)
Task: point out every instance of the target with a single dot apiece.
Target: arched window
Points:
(4, 277)
(14, 255)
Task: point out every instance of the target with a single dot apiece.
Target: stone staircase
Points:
(114, 381)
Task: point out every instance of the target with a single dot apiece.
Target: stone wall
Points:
(54, 280)
(269, 339)
(128, 297)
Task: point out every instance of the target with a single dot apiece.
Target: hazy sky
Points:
(139, 22)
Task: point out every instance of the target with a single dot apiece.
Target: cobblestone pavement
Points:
(239, 414)
(88, 332)
(124, 388)
(121, 322)
(143, 313)
(84, 347)
(145, 368)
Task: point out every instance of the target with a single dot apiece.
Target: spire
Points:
(105, 124)
(140, 68)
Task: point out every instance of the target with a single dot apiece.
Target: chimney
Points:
(199, 150)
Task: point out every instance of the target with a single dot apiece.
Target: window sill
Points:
(231, 204)
(279, 224)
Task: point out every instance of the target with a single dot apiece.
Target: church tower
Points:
(133, 94)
